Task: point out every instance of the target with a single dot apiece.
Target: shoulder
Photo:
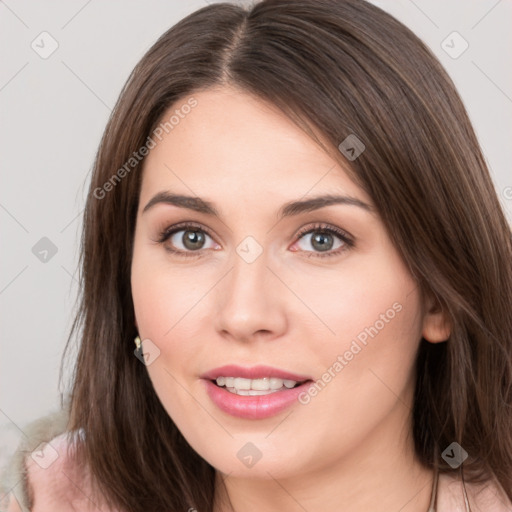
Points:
(14, 476)
(488, 496)
(48, 474)
(58, 481)
(54, 478)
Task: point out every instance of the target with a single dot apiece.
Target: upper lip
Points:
(254, 372)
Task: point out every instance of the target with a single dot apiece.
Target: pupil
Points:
(320, 239)
(193, 239)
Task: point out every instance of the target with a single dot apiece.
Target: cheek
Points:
(163, 301)
(168, 301)
(163, 295)
(368, 327)
(156, 300)
(368, 298)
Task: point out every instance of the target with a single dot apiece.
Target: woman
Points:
(296, 283)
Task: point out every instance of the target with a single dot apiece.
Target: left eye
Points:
(322, 238)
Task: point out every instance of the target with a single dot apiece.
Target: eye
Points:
(187, 239)
(323, 237)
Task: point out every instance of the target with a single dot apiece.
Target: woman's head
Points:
(250, 289)
(249, 110)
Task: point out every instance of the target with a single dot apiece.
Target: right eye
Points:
(192, 238)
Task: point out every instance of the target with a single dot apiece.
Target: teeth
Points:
(276, 383)
(240, 383)
(247, 386)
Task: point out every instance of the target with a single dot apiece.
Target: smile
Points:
(254, 403)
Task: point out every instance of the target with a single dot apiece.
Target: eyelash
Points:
(319, 227)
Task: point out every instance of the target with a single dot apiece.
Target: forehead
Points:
(231, 141)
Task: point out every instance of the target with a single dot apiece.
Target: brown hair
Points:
(335, 67)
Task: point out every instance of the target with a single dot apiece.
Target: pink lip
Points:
(253, 407)
(255, 372)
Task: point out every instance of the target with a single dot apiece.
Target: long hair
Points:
(338, 68)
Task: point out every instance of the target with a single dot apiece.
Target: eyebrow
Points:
(288, 209)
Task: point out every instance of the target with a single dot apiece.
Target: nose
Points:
(250, 302)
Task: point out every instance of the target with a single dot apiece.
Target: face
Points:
(320, 293)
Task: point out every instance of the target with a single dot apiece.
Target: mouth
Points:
(254, 393)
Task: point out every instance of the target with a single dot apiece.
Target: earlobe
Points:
(436, 324)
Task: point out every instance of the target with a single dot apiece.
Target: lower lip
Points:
(253, 407)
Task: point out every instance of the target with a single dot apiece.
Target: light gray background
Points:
(53, 113)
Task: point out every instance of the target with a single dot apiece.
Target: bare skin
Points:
(349, 447)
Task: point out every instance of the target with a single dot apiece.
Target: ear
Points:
(436, 324)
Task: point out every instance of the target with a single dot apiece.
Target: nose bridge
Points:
(247, 301)
(249, 277)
